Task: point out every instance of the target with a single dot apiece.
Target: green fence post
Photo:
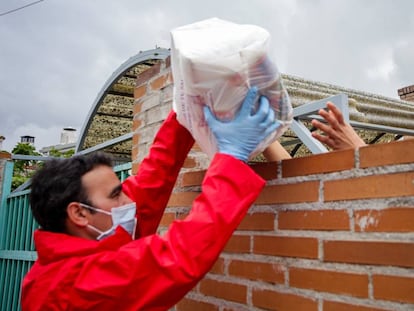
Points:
(6, 189)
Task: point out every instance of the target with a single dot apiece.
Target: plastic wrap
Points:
(214, 63)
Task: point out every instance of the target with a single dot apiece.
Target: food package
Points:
(214, 63)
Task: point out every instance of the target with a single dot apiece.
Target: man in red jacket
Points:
(97, 246)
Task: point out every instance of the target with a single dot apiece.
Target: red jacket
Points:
(152, 272)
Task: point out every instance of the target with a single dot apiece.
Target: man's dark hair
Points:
(57, 184)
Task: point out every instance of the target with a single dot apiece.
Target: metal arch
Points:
(159, 53)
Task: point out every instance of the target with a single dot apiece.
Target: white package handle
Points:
(214, 63)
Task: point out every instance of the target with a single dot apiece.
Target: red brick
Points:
(224, 290)
(387, 220)
(286, 246)
(399, 152)
(329, 281)
(318, 164)
(314, 220)
(5, 155)
(167, 219)
(179, 199)
(136, 124)
(238, 244)
(146, 75)
(341, 306)
(218, 267)
(193, 178)
(168, 62)
(187, 304)
(269, 272)
(137, 107)
(135, 139)
(272, 300)
(370, 187)
(309, 192)
(140, 91)
(134, 153)
(235, 308)
(368, 252)
(258, 222)
(190, 162)
(266, 170)
(134, 168)
(394, 288)
(196, 147)
(159, 82)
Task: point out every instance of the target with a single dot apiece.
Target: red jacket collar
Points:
(52, 246)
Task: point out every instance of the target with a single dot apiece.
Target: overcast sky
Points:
(56, 55)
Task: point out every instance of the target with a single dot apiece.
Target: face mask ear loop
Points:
(95, 229)
(101, 233)
(95, 209)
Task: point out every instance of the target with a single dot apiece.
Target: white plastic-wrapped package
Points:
(214, 62)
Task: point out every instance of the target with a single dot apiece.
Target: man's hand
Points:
(240, 136)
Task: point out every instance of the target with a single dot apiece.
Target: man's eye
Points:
(116, 192)
(115, 195)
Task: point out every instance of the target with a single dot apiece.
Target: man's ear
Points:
(77, 214)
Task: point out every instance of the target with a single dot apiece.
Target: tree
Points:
(24, 169)
(59, 154)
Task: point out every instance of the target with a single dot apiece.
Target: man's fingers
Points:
(248, 102)
(264, 108)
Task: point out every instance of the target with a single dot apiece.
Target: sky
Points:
(56, 55)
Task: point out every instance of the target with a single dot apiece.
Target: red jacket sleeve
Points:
(155, 272)
(157, 174)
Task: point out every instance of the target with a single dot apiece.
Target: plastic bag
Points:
(214, 62)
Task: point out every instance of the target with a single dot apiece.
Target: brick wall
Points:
(329, 232)
(407, 93)
(153, 101)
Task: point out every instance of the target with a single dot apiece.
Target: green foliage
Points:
(58, 154)
(17, 181)
(24, 169)
(23, 166)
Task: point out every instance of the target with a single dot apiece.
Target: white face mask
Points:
(121, 216)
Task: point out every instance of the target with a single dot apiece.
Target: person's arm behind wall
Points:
(276, 152)
(151, 187)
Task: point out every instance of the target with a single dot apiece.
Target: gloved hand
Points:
(240, 136)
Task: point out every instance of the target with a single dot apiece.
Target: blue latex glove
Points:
(240, 136)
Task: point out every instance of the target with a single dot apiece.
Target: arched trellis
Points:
(108, 124)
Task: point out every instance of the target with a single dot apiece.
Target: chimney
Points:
(2, 138)
(68, 136)
(407, 93)
(27, 139)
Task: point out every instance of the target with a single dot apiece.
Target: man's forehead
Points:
(101, 177)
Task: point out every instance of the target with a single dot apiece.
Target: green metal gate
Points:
(17, 250)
